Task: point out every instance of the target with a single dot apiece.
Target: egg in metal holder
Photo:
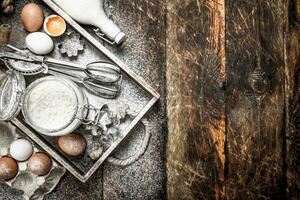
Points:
(25, 180)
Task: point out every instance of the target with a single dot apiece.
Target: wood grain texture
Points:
(255, 99)
(292, 91)
(195, 78)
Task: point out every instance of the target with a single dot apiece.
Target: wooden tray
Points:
(135, 86)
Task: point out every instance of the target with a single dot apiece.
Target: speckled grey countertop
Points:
(144, 52)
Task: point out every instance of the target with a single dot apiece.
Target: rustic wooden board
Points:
(195, 78)
(292, 92)
(254, 112)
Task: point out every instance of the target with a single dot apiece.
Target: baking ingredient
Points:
(32, 17)
(72, 144)
(55, 25)
(21, 149)
(40, 164)
(92, 13)
(8, 168)
(39, 43)
(51, 105)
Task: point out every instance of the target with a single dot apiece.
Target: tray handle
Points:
(123, 162)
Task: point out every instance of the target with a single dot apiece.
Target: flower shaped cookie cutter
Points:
(71, 44)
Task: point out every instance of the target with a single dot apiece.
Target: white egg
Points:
(21, 149)
(39, 43)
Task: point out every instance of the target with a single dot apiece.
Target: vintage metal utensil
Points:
(109, 91)
(101, 78)
(101, 71)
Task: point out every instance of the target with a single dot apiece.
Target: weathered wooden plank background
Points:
(261, 98)
(229, 72)
(195, 77)
(292, 92)
(255, 99)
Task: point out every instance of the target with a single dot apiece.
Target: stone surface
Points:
(71, 188)
(146, 178)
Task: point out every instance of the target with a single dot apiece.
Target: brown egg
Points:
(8, 168)
(40, 164)
(32, 17)
(72, 144)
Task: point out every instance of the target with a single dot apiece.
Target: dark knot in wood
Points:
(259, 81)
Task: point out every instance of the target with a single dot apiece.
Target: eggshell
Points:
(21, 149)
(72, 144)
(32, 17)
(54, 25)
(39, 43)
(8, 168)
(40, 164)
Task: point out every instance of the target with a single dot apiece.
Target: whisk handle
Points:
(65, 64)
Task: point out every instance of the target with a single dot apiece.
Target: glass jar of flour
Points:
(51, 105)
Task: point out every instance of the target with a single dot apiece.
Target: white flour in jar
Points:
(51, 105)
